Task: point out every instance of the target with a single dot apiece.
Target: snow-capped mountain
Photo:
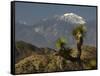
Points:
(72, 18)
(45, 32)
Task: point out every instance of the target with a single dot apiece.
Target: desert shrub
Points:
(31, 64)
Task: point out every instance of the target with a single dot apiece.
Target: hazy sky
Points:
(32, 12)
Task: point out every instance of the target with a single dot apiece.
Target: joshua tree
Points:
(60, 43)
(61, 46)
(79, 34)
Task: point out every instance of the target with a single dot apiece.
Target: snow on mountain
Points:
(73, 18)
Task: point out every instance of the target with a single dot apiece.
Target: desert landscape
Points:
(54, 38)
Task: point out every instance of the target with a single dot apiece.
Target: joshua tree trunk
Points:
(62, 49)
(79, 50)
(79, 46)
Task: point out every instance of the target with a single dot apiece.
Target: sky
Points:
(33, 15)
(30, 13)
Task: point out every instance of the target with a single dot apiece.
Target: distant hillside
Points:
(31, 59)
(24, 50)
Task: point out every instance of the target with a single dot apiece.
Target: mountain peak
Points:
(73, 18)
(66, 14)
